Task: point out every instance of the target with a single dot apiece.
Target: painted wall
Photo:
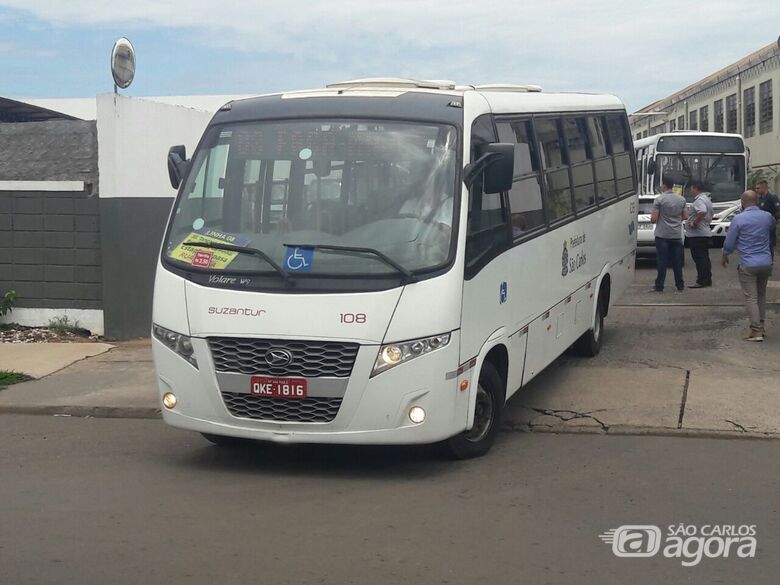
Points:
(134, 135)
(49, 225)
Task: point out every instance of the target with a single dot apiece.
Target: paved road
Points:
(97, 501)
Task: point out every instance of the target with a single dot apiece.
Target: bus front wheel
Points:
(487, 417)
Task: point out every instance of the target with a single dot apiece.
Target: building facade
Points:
(743, 98)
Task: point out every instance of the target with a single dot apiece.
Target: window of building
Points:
(558, 202)
(680, 123)
(525, 197)
(638, 136)
(704, 118)
(672, 125)
(692, 120)
(718, 115)
(644, 134)
(765, 107)
(749, 107)
(731, 113)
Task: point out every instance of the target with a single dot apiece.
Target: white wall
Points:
(91, 319)
(134, 136)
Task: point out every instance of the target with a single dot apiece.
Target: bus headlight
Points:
(181, 344)
(392, 354)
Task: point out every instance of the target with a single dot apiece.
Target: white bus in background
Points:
(388, 261)
(720, 161)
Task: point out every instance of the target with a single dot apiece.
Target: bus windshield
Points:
(723, 175)
(387, 186)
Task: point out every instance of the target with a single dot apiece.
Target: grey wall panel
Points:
(41, 247)
(131, 230)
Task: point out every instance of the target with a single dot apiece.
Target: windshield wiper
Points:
(242, 250)
(356, 250)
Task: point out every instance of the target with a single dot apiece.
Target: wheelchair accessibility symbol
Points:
(298, 259)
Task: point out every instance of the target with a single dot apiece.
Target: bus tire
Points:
(589, 344)
(487, 417)
(224, 441)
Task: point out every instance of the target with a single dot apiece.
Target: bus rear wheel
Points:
(589, 344)
(488, 410)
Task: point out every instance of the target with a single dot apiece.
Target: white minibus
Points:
(387, 261)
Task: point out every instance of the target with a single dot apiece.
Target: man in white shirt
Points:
(697, 234)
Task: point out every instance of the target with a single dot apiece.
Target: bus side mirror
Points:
(651, 167)
(496, 162)
(177, 164)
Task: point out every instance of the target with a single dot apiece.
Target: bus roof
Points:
(653, 140)
(401, 93)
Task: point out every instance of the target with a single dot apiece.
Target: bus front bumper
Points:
(373, 410)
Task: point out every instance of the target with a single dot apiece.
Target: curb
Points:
(628, 430)
(145, 412)
(132, 412)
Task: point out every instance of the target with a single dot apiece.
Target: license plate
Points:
(645, 226)
(278, 387)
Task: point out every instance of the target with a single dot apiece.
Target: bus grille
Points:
(307, 410)
(310, 359)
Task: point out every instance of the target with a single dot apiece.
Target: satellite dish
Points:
(123, 63)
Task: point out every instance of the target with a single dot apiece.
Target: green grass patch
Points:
(8, 378)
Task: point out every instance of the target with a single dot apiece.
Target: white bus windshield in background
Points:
(723, 175)
(388, 186)
(701, 143)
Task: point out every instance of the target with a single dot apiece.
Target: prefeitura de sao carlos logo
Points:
(565, 260)
(688, 542)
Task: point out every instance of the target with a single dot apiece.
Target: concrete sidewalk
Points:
(119, 383)
(38, 360)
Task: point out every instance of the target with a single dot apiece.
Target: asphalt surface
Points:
(101, 501)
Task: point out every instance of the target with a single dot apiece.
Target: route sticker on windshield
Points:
(218, 259)
(298, 259)
(198, 224)
(305, 154)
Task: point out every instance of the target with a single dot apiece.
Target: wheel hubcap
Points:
(483, 416)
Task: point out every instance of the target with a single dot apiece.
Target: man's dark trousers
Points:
(701, 257)
(669, 252)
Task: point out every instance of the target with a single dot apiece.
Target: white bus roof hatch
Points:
(508, 87)
(394, 82)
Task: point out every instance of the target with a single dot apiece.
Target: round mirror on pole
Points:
(123, 63)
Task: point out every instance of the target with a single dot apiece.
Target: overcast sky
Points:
(640, 51)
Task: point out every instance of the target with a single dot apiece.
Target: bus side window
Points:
(620, 139)
(602, 162)
(525, 197)
(487, 223)
(580, 157)
(558, 201)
